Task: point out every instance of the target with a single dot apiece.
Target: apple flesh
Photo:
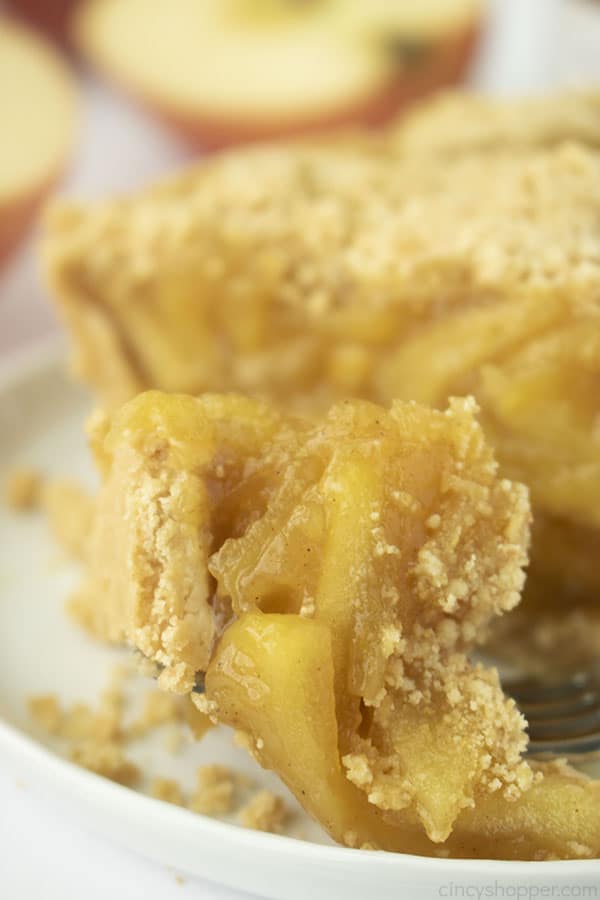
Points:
(272, 677)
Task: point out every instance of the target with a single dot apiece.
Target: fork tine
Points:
(535, 692)
(572, 747)
(573, 726)
(563, 716)
(562, 708)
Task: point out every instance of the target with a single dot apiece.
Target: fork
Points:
(563, 715)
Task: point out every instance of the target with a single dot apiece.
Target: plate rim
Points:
(33, 355)
(83, 782)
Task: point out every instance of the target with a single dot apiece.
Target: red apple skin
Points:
(18, 215)
(15, 221)
(445, 64)
(53, 17)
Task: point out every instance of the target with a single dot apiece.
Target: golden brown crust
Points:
(155, 534)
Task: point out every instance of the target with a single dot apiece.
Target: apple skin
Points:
(445, 64)
(14, 221)
(53, 17)
(18, 214)
(16, 218)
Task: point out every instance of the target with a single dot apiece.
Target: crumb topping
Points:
(326, 260)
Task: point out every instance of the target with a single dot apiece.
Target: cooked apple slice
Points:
(231, 70)
(37, 106)
(272, 677)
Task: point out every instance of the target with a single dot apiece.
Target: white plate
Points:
(41, 414)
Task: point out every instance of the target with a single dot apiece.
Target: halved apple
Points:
(37, 111)
(226, 71)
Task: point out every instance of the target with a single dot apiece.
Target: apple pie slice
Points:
(365, 268)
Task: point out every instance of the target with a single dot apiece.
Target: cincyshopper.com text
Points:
(459, 891)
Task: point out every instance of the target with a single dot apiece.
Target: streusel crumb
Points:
(69, 510)
(214, 792)
(96, 737)
(107, 759)
(22, 488)
(168, 790)
(159, 708)
(46, 712)
(264, 812)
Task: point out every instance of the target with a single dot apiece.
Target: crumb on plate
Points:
(265, 811)
(106, 758)
(168, 790)
(22, 488)
(69, 510)
(46, 712)
(159, 709)
(214, 792)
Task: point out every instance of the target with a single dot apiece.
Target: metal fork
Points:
(563, 714)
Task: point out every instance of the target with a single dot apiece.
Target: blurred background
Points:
(100, 96)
